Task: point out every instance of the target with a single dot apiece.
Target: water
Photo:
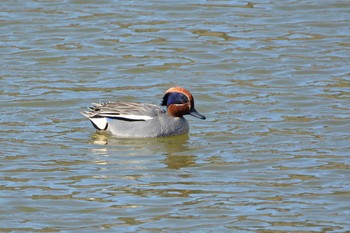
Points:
(272, 78)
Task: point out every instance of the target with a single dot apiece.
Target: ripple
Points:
(271, 155)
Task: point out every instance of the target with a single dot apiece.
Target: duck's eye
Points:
(175, 98)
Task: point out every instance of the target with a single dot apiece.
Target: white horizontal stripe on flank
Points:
(137, 117)
(131, 117)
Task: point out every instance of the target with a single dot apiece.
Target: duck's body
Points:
(126, 119)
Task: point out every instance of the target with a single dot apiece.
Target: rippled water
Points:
(272, 78)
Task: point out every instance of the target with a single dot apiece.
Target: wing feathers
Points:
(99, 114)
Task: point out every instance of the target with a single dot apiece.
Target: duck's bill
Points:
(197, 114)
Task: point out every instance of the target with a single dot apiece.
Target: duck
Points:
(142, 120)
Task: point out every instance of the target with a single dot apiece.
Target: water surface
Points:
(272, 78)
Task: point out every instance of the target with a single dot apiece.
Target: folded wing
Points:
(124, 111)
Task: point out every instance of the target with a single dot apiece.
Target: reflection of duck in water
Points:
(174, 151)
(126, 119)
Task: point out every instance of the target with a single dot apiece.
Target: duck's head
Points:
(179, 102)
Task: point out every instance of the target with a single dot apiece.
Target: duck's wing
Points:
(125, 111)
